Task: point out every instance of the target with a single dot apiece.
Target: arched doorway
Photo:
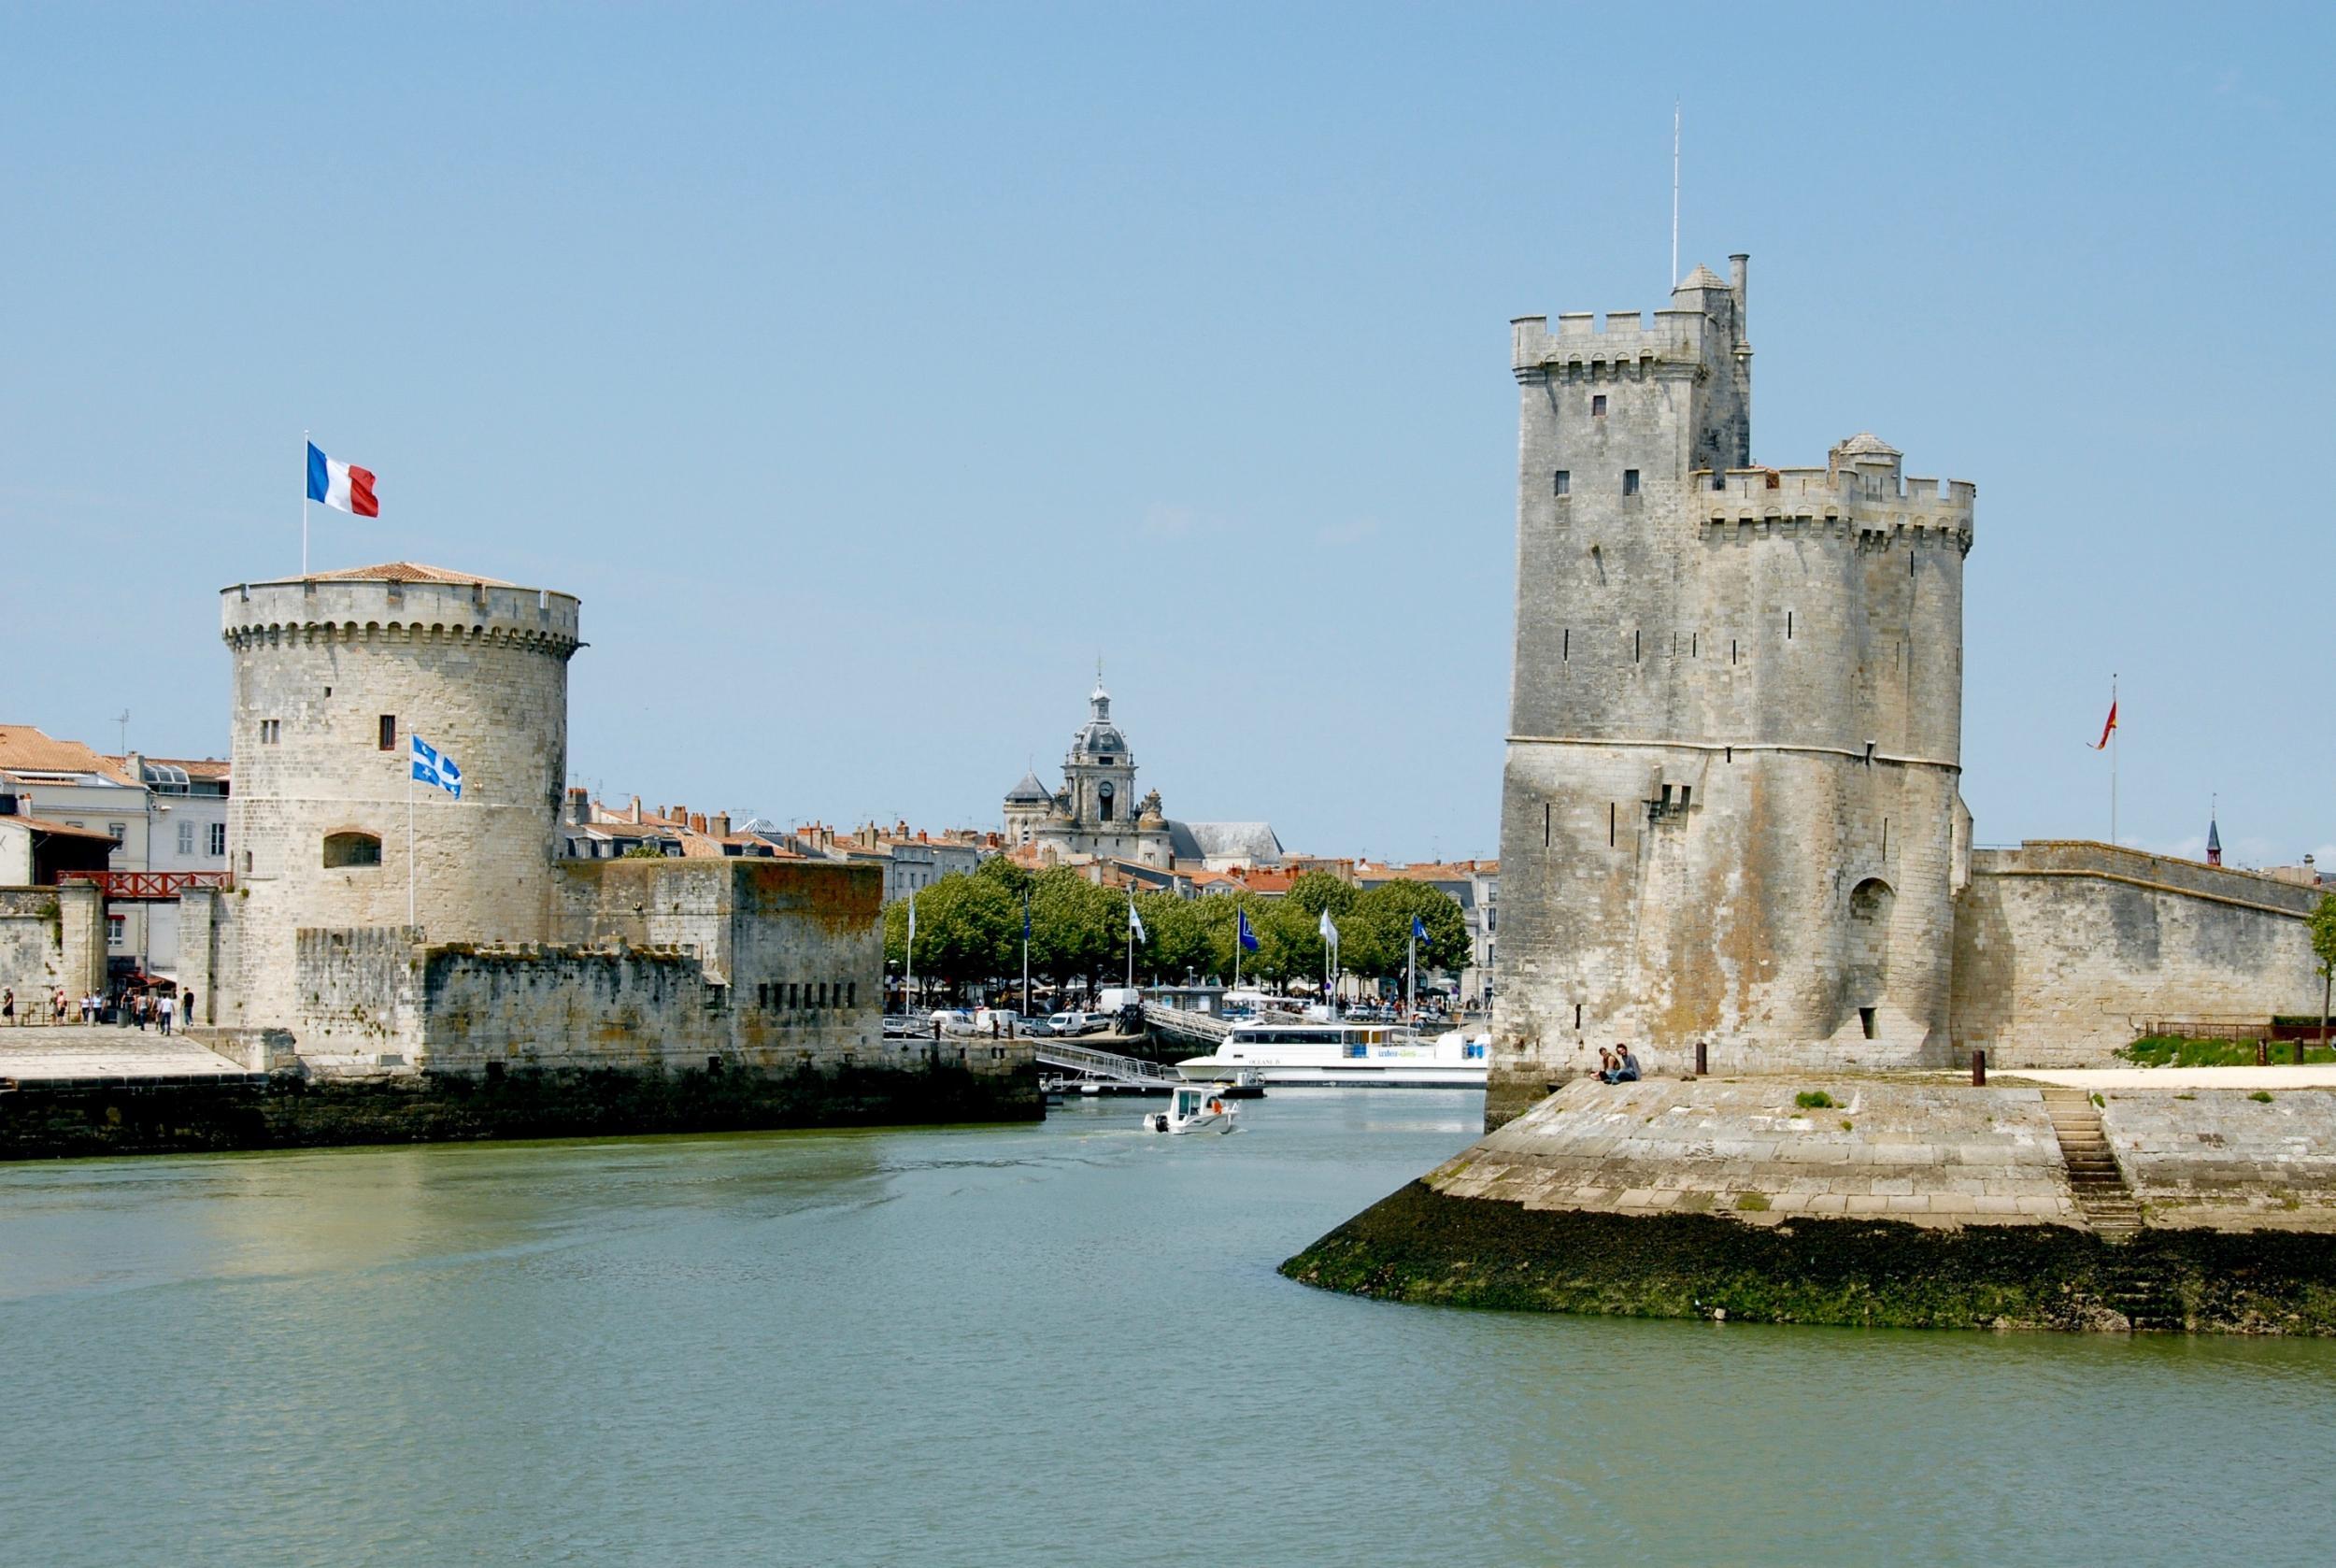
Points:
(1871, 904)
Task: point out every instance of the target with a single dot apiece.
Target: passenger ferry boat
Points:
(1344, 1056)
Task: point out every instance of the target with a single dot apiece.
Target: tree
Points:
(2324, 949)
(968, 928)
(1375, 936)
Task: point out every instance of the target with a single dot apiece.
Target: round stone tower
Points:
(333, 677)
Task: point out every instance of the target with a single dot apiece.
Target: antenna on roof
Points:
(122, 719)
(1675, 193)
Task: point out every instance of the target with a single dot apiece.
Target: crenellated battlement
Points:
(1619, 337)
(312, 609)
(1845, 499)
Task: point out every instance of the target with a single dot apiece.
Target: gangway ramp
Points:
(1105, 1066)
(1203, 1031)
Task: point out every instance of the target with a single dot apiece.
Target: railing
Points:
(1179, 1020)
(1102, 1064)
(149, 885)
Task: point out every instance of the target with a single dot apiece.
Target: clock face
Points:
(1106, 789)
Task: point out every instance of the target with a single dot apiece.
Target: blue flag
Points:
(1135, 921)
(433, 766)
(1249, 938)
(1419, 929)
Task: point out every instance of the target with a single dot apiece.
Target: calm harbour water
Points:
(1033, 1344)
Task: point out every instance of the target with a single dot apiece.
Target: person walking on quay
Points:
(8, 1005)
(56, 1006)
(164, 1007)
(137, 1007)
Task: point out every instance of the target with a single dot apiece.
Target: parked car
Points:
(1078, 1023)
(1037, 1028)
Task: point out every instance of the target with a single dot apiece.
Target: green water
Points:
(1037, 1344)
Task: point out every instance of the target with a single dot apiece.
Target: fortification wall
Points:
(2062, 948)
(360, 990)
(51, 937)
(481, 674)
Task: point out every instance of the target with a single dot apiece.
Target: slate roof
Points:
(1253, 842)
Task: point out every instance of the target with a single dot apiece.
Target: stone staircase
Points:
(2106, 1202)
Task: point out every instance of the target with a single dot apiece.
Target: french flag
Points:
(342, 486)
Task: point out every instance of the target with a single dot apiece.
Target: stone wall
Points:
(2062, 948)
(51, 937)
(1929, 1154)
(360, 990)
(2227, 1158)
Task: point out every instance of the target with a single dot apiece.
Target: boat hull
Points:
(1340, 1074)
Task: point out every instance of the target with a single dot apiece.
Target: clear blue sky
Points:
(869, 370)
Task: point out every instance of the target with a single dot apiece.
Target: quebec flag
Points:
(433, 766)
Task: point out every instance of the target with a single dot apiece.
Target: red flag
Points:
(2103, 743)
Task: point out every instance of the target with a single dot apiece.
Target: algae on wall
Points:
(1419, 1245)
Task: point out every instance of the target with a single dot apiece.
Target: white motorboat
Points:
(1193, 1108)
(1345, 1056)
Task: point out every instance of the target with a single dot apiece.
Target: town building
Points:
(1096, 813)
(1476, 887)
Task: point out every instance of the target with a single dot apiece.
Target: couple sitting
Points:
(1617, 1065)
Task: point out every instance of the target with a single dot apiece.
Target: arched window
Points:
(351, 848)
(1103, 799)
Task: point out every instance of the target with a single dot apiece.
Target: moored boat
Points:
(1344, 1056)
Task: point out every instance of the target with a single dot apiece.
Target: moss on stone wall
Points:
(293, 1112)
(1417, 1246)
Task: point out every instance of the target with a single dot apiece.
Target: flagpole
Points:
(2113, 759)
(303, 512)
(1236, 947)
(1026, 955)
(409, 836)
(1411, 974)
(1130, 940)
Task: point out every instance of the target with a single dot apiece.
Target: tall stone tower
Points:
(333, 673)
(1729, 810)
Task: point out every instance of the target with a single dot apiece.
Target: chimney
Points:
(719, 824)
(637, 810)
(697, 822)
(579, 806)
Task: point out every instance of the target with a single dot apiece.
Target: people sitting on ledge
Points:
(1617, 1065)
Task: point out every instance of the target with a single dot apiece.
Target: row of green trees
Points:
(969, 929)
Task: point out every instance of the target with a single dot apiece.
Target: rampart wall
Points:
(2061, 948)
(51, 937)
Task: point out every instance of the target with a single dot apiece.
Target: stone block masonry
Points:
(2062, 950)
(1913, 1203)
(51, 937)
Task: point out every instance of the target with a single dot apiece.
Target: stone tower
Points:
(332, 675)
(1729, 810)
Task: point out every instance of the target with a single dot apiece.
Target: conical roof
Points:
(1866, 444)
(1702, 278)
